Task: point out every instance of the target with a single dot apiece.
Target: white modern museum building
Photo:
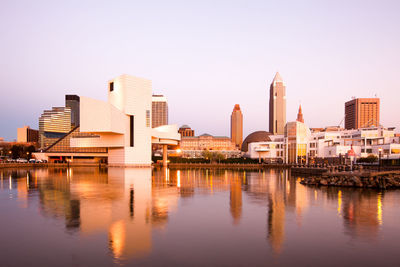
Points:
(122, 125)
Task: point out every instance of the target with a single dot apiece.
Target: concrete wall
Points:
(110, 122)
(98, 116)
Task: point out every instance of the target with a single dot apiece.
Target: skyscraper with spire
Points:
(277, 105)
(300, 115)
(237, 126)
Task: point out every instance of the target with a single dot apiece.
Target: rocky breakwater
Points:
(381, 180)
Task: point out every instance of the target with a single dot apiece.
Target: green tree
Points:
(218, 156)
(28, 151)
(208, 155)
(16, 151)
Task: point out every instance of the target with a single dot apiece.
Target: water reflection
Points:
(276, 212)
(132, 205)
(235, 198)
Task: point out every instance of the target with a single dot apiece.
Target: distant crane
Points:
(340, 123)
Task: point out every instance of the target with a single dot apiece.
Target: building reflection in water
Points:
(362, 213)
(276, 213)
(130, 203)
(169, 185)
(235, 197)
(130, 232)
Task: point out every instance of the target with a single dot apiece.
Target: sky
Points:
(204, 56)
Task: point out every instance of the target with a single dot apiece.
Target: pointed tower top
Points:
(300, 115)
(277, 78)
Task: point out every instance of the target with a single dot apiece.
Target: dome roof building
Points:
(259, 136)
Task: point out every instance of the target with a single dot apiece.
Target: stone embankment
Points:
(381, 180)
(319, 169)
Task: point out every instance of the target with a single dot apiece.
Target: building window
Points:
(147, 118)
(132, 125)
(111, 86)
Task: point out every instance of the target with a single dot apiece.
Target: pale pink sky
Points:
(205, 56)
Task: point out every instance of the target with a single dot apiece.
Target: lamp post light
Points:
(380, 155)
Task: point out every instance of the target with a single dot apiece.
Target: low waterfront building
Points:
(264, 146)
(271, 151)
(300, 145)
(62, 151)
(193, 146)
(365, 141)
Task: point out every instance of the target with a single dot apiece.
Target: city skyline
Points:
(184, 59)
(207, 131)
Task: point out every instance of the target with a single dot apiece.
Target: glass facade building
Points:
(297, 135)
(73, 101)
(54, 124)
(62, 145)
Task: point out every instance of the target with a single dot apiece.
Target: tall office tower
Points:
(277, 105)
(237, 126)
(54, 124)
(159, 108)
(300, 115)
(72, 101)
(361, 113)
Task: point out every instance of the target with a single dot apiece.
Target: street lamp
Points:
(380, 155)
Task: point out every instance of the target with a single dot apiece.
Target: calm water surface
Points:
(191, 217)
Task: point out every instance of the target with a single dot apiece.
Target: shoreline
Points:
(366, 179)
(154, 165)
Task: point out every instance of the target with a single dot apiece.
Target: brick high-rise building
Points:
(277, 105)
(237, 126)
(159, 110)
(362, 113)
(186, 131)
